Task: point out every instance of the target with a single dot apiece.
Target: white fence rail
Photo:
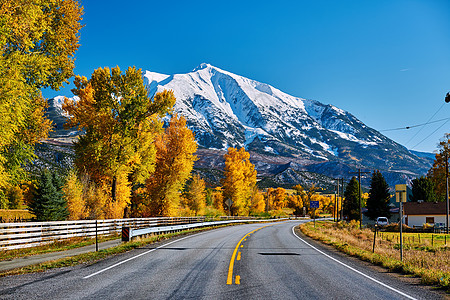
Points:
(31, 234)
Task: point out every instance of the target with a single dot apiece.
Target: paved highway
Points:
(253, 261)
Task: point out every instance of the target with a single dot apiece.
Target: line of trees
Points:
(38, 41)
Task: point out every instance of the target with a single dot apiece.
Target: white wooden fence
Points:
(30, 234)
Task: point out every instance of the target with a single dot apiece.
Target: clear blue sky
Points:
(385, 61)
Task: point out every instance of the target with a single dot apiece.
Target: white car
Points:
(382, 221)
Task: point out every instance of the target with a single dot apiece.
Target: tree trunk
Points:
(114, 189)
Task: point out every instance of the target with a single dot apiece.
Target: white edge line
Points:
(131, 258)
(354, 270)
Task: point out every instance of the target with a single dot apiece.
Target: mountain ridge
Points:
(227, 110)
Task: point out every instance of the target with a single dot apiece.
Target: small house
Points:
(419, 213)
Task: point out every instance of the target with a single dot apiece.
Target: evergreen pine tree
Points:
(351, 202)
(378, 201)
(58, 207)
(423, 189)
(48, 203)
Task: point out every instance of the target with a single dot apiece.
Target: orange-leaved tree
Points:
(276, 198)
(257, 203)
(121, 122)
(239, 181)
(217, 198)
(174, 162)
(196, 195)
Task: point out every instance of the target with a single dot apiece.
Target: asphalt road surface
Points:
(253, 261)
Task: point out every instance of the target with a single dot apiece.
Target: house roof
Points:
(424, 208)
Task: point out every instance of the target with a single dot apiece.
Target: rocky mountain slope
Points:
(290, 138)
(225, 109)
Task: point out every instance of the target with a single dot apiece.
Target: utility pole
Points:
(342, 199)
(360, 203)
(336, 201)
(335, 207)
(447, 100)
(446, 187)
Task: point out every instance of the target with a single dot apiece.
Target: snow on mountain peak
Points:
(202, 66)
(225, 109)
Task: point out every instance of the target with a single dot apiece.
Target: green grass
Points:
(417, 239)
(57, 246)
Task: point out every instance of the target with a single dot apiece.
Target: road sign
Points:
(313, 204)
(228, 202)
(400, 192)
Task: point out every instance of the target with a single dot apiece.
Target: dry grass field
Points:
(11, 215)
(424, 255)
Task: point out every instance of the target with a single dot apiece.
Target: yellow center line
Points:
(233, 257)
(239, 256)
(238, 279)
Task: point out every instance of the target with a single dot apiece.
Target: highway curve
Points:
(252, 261)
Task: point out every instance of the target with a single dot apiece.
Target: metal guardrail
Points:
(128, 233)
(31, 234)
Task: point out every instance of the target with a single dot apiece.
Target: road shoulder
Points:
(407, 279)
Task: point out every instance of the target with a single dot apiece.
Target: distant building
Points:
(419, 213)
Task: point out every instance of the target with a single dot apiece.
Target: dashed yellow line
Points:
(233, 257)
(239, 256)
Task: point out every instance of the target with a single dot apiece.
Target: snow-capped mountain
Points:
(225, 109)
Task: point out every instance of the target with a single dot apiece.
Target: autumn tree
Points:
(270, 198)
(351, 202)
(73, 193)
(174, 162)
(38, 40)
(257, 203)
(121, 122)
(276, 198)
(437, 172)
(239, 181)
(296, 202)
(280, 198)
(196, 195)
(217, 198)
(326, 203)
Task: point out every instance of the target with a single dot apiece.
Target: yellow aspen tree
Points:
(270, 198)
(121, 123)
(174, 162)
(295, 202)
(280, 198)
(258, 204)
(217, 198)
(73, 193)
(196, 195)
(239, 181)
(38, 41)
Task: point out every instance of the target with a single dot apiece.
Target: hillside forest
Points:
(136, 156)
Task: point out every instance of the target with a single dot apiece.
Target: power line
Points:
(422, 127)
(413, 126)
(429, 135)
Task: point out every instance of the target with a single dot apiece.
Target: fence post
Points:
(96, 236)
